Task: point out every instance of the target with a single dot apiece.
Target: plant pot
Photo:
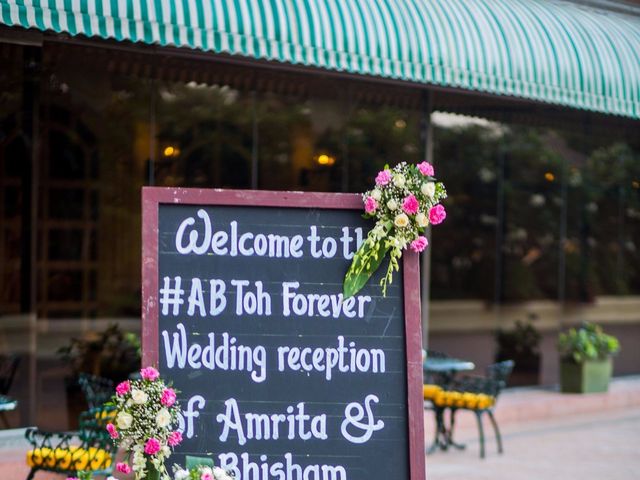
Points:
(526, 370)
(590, 376)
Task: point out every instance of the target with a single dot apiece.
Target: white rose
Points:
(401, 220)
(124, 420)
(181, 475)
(399, 180)
(139, 397)
(166, 451)
(163, 418)
(376, 194)
(428, 189)
(392, 204)
(422, 220)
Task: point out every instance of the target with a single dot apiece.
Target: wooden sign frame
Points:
(153, 197)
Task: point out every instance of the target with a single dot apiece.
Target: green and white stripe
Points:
(552, 51)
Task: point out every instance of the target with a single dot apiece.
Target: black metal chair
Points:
(479, 395)
(8, 367)
(96, 390)
(90, 449)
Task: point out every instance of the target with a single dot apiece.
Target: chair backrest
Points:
(93, 425)
(8, 367)
(96, 390)
(500, 372)
(436, 354)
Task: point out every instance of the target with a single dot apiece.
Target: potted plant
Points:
(112, 354)
(522, 345)
(586, 359)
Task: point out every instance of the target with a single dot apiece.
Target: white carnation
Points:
(376, 194)
(422, 220)
(392, 204)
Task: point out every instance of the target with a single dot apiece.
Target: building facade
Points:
(529, 110)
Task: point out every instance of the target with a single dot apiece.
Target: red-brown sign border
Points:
(152, 197)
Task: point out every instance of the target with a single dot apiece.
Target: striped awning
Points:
(552, 51)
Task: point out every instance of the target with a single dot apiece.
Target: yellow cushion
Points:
(72, 458)
(455, 399)
(429, 391)
(440, 399)
(484, 401)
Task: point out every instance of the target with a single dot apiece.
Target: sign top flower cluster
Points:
(405, 201)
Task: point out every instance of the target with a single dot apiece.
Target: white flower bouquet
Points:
(146, 411)
(404, 202)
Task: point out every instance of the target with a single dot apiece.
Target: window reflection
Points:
(535, 213)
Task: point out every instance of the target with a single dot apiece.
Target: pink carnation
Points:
(383, 177)
(419, 244)
(123, 388)
(370, 205)
(437, 214)
(206, 476)
(152, 446)
(426, 169)
(123, 467)
(168, 397)
(111, 428)
(72, 478)
(174, 439)
(410, 205)
(149, 373)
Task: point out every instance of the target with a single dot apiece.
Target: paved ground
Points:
(580, 447)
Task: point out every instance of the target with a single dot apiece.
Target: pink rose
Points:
(383, 177)
(149, 373)
(113, 433)
(123, 388)
(426, 169)
(370, 205)
(410, 204)
(152, 446)
(123, 467)
(168, 397)
(206, 476)
(437, 214)
(419, 244)
(174, 439)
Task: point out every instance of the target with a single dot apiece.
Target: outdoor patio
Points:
(546, 434)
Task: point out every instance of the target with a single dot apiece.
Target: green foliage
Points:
(588, 342)
(523, 340)
(112, 353)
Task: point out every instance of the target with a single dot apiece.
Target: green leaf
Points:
(361, 270)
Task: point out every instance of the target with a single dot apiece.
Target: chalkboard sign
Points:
(280, 377)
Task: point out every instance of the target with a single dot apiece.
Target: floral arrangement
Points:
(404, 202)
(88, 476)
(145, 413)
(201, 472)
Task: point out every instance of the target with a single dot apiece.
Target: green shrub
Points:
(588, 342)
